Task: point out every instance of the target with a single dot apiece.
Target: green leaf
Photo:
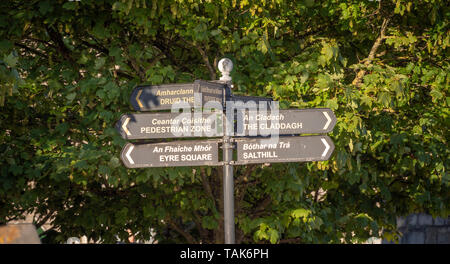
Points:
(148, 211)
(385, 99)
(298, 213)
(99, 63)
(82, 164)
(304, 77)
(209, 222)
(11, 60)
(436, 94)
(366, 100)
(323, 82)
(262, 46)
(71, 96)
(121, 216)
(45, 7)
(332, 104)
(115, 52)
(5, 46)
(70, 5)
(274, 236)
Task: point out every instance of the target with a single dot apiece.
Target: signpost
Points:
(171, 154)
(286, 122)
(287, 149)
(162, 97)
(253, 118)
(170, 125)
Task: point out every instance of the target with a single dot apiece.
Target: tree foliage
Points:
(67, 69)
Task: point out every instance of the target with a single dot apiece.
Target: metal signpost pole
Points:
(228, 191)
(225, 66)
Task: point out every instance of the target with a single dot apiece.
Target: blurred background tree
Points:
(67, 69)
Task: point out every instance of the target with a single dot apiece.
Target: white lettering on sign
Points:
(256, 150)
(156, 121)
(284, 145)
(198, 120)
(257, 146)
(169, 101)
(263, 117)
(185, 153)
(169, 158)
(176, 129)
(174, 92)
(186, 157)
(178, 149)
(260, 155)
(206, 89)
(157, 150)
(202, 148)
(195, 157)
(281, 126)
(253, 126)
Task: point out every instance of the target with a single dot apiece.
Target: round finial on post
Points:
(225, 66)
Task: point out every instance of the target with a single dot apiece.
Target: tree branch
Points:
(186, 235)
(41, 41)
(372, 53)
(261, 208)
(130, 60)
(154, 61)
(44, 220)
(250, 169)
(94, 46)
(124, 74)
(212, 72)
(56, 37)
(133, 64)
(203, 232)
(20, 45)
(290, 240)
(206, 185)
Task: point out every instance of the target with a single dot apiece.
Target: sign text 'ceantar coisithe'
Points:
(170, 125)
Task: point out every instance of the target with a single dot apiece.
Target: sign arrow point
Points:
(137, 99)
(328, 120)
(124, 126)
(327, 147)
(127, 155)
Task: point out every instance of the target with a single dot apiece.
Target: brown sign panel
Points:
(171, 154)
(285, 122)
(285, 149)
(162, 97)
(170, 125)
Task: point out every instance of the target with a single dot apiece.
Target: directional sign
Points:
(286, 149)
(286, 122)
(170, 154)
(162, 97)
(170, 125)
